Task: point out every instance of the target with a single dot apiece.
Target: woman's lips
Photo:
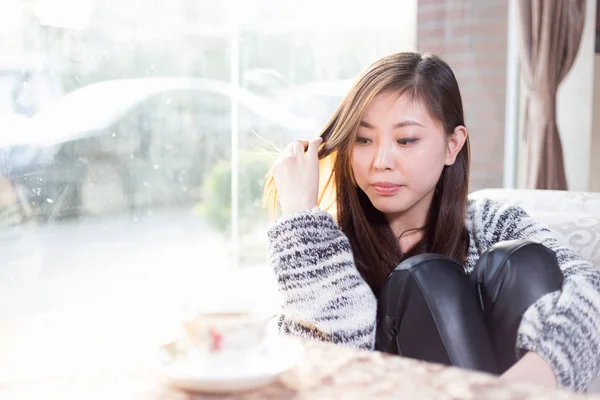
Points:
(386, 188)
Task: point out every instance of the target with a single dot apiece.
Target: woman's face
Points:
(399, 154)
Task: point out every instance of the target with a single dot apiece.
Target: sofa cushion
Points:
(546, 200)
(573, 216)
(579, 232)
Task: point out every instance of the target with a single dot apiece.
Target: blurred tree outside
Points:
(216, 204)
(252, 218)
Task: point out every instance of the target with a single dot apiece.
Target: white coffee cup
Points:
(222, 336)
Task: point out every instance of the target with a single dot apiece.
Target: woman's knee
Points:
(428, 309)
(431, 275)
(426, 268)
(510, 277)
(519, 270)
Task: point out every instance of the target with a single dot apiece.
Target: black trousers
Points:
(429, 309)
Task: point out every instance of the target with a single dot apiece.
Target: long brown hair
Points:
(376, 250)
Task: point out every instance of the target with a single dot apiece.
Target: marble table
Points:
(73, 358)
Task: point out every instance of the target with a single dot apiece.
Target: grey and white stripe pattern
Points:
(324, 296)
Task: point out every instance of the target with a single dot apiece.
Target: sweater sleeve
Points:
(324, 296)
(564, 326)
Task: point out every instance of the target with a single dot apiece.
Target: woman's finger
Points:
(300, 146)
(289, 149)
(313, 147)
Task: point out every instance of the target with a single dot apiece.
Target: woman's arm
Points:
(563, 327)
(324, 296)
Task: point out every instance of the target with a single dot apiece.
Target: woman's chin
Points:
(388, 206)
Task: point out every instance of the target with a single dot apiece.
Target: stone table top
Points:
(75, 359)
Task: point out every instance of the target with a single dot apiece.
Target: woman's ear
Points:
(456, 141)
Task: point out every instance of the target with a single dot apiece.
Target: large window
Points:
(134, 135)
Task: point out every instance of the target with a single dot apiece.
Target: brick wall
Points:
(471, 36)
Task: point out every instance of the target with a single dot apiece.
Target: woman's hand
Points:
(531, 368)
(296, 176)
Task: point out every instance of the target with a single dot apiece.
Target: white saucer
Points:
(281, 354)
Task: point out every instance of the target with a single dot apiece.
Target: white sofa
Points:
(573, 216)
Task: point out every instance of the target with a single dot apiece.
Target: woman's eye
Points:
(362, 140)
(406, 142)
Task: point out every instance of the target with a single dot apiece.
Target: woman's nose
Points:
(383, 158)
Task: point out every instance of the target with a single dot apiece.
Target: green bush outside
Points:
(215, 206)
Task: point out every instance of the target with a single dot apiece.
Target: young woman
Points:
(402, 261)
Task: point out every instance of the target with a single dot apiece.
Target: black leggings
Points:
(429, 309)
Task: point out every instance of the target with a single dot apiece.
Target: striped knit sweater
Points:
(325, 298)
